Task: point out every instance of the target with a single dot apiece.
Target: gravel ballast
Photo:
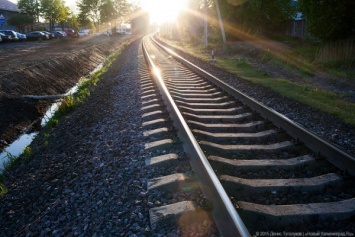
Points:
(87, 176)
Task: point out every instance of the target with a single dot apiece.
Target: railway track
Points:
(250, 170)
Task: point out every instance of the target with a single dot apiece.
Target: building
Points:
(297, 26)
(7, 9)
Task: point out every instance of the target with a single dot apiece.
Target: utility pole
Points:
(220, 22)
(205, 31)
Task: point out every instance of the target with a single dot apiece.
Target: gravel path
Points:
(87, 177)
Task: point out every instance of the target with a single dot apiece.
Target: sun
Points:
(163, 11)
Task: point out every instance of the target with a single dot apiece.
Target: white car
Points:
(84, 32)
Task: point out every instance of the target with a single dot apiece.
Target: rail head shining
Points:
(331, 152)
(225, 215)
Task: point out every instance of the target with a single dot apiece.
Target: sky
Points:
(163, 10)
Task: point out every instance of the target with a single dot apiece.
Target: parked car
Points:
(5, 38)
(37, 35)
(21, 37)
(50, 35)
(63, 32)
(84, 32)
(59, 34)
(11, 33)
(71, 33)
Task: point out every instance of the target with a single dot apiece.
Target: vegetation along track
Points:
(277, 175)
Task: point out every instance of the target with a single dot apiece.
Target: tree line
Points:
(326, 20)
(92, 13)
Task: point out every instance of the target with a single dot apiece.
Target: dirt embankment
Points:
(49, 69)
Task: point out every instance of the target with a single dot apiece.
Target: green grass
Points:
(14, 160)
(306, 51)
(3, 189)
(322, 100)
(11, 163)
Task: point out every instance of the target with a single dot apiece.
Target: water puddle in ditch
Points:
(16, 148)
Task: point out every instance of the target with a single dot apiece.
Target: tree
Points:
(257, 15)
(89, 10)
(30, 7)
(140, 22)
(71, 21)
(103, 11)
(65, 14)
(123, 9)
(21, 20)
(54, 11)
(85, 22)
(190, 22)
(107, 11)
(329, 19)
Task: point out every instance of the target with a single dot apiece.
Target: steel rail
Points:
(225, 215)
(332, 153)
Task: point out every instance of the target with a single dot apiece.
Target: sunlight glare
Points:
(163, 11)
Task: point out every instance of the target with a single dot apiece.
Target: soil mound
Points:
(57, 72)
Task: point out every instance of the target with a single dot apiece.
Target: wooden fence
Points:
(339, 51)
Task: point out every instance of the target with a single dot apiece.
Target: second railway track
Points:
(275, 175)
